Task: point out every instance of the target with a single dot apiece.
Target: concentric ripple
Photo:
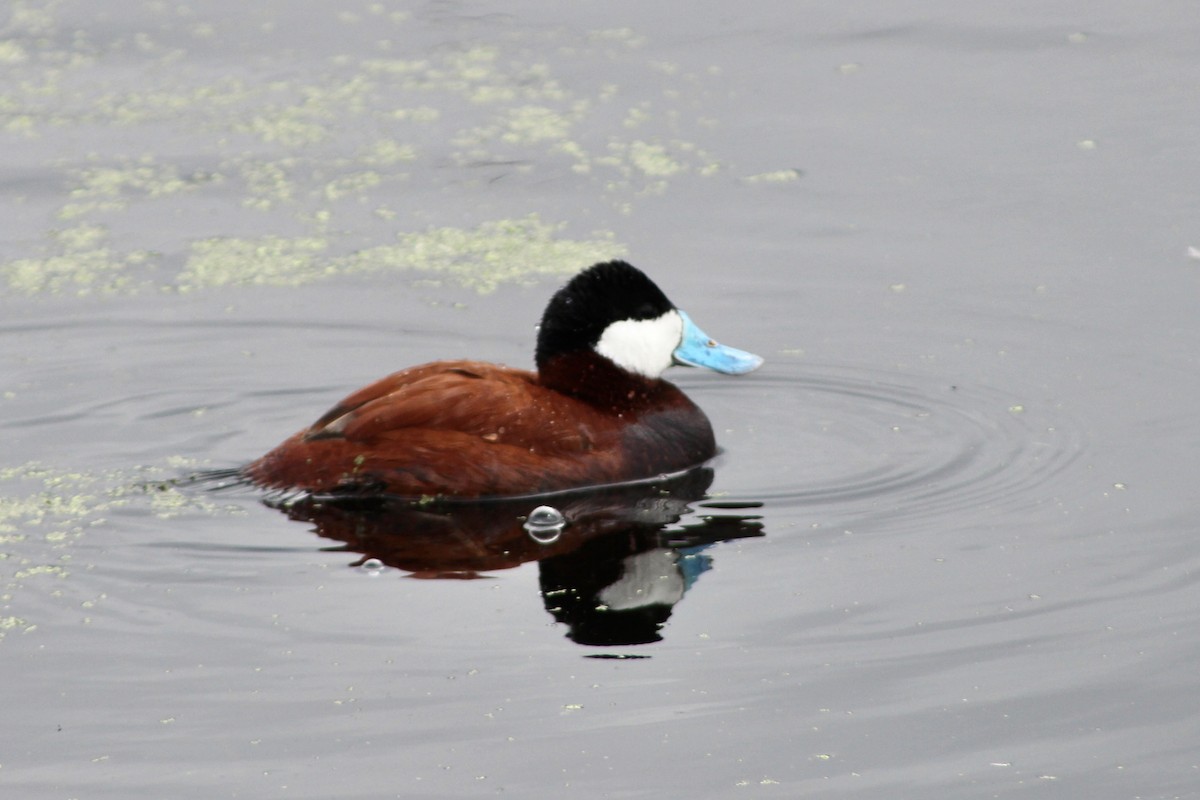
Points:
(858, 443)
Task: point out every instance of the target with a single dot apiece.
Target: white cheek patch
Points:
(644, 346)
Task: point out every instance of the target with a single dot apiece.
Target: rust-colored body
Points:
(470, 429)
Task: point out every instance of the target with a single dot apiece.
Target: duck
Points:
(596, 411)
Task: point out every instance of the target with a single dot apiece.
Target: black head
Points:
(581, 311)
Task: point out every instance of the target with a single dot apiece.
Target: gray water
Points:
(963, 559)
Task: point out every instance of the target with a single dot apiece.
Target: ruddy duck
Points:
(595, 412)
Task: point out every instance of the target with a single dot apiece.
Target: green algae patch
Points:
(494, 253)
(107, 188)
(82, 262)
(268, 183)
(776, 176)
(138, 136)
(265, 261)
(45, 511)
(9, 624)
(354, 184)
(42, 512)
(481, 258)
(388, 153)
(531, 124)
(12, 53)
(653, 160)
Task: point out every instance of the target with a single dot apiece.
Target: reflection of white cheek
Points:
(650, 578)
(644, 346)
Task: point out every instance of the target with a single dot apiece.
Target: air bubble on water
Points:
(372, 566)
(545, 524)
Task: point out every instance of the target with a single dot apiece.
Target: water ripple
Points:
(903, 445)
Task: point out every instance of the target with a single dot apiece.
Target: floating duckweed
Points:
(83, 265)
(529, 124)
(636, 117)
(424, 114)
(32, 18)
(290, 127)
(314, 118)
(778, 176)
(653, 159)
(212, 103)
(10, 624)
(337, 139)
(22, 124)
(388, 152)
(396, 66)
(12, 52)
(268, 182)
(43, 569)
(354, 183)
(482, 258)
(266, 261)
(54, 508)
(82, 237)
(109, 188)
(492, 254)
(146, 177)
(476, 64)
(626, 36)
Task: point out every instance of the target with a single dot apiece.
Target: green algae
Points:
(331, 151)
(114, 187)
(776, 176)
(12, 52)
(480, 258)
(494, 253)
(387, 153)
(352, 185)
(264, 261)
(653, 160)
(45, 511)
(268, 183)
(82, 263)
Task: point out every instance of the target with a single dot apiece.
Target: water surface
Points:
(949, 548)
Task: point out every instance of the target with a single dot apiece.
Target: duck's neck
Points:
(590, 377)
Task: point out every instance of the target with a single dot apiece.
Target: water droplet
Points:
(545, 524)
(372, 566)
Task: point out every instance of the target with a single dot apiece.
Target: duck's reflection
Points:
(612, 576)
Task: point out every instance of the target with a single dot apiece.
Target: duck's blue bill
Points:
(697, 350)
